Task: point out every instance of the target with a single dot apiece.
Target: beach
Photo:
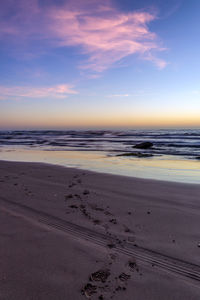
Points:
(99, 150)
(68, 233)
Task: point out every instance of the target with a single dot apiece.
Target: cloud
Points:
(160, 63)
(118, 95)
(105, 34)
(19, 18)
(58, 92)
(100, 32)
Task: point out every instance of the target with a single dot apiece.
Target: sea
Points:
(174, 155)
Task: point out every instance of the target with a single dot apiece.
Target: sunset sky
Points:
(99, 63)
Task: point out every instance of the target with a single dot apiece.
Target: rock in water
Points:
(144, 145)
(136, 154)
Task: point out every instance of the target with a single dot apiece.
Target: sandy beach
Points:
(74, 234)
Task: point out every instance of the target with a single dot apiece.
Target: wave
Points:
(165, 142)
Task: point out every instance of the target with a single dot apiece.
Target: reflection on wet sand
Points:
(160, 167)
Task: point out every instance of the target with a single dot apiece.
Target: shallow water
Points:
(170, 168)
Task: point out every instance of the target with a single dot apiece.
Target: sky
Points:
(99, 63)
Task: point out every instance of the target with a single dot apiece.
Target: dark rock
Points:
(136, 154)
(144, 145)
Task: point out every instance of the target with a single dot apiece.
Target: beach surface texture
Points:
(74, 234)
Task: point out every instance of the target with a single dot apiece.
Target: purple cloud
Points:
(60, 91)
(101, 32)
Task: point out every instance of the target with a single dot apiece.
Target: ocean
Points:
(182, 142)
(174, 154)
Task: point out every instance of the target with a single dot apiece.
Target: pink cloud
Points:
(101, 32)
(105, 34)
(58, 92)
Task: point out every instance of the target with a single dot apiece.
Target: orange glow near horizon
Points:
(106, 120)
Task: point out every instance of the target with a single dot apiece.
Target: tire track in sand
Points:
(167, 263)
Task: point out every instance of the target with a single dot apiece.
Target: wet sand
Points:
(73, 234)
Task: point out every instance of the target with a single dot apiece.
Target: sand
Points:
(74, 234)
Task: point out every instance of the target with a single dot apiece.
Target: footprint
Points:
(111, 245)
(89, 290)
(73, 206)
(133, 265)
(96, 222)
(86, 192)
(126, 229)
(124, 277)
(70, 196)
(100, 275)
(114, 221)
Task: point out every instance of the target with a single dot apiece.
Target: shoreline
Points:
(134, 178)
(159, 216)
(164, 169)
